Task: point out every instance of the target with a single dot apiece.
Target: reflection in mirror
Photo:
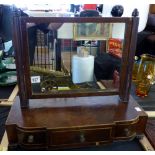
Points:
(74, 57)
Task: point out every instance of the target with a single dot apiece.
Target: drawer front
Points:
(125, 131)
(80, 136)
(31, 138)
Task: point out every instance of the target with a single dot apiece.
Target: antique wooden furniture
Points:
(52, 112)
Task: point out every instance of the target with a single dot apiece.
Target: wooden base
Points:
(73, 122)
(143, 141)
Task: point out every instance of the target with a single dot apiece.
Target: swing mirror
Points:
(74, 59)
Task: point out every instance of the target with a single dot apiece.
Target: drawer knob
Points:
(82, 138)
(30, 139)
(127, 131)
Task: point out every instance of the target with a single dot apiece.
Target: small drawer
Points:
(125, 131)
(80, 136)
(31, 137)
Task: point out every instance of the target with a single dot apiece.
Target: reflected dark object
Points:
(89, 13)
(117, 11)
(74, 8)
(105, 65)
(100, 8)
(32, 32)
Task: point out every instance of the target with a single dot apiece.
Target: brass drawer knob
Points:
(126, 131)
(82, 138)
(30, 139)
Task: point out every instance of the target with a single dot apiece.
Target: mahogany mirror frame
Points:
(20, 41)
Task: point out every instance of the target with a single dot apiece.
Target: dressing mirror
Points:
(74, 59)
(74, 56)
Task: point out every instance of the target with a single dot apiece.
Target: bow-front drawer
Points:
(80, 136)
(32, 137)
(125, 131)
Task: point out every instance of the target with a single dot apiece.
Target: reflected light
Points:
(142, 6)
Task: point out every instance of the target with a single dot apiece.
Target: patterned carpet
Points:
(3, 116)
(150, 131)
(4, 110)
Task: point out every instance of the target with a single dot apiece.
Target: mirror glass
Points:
(75, 58)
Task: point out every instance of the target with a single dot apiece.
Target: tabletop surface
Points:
(5, 91)
(147, 103)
